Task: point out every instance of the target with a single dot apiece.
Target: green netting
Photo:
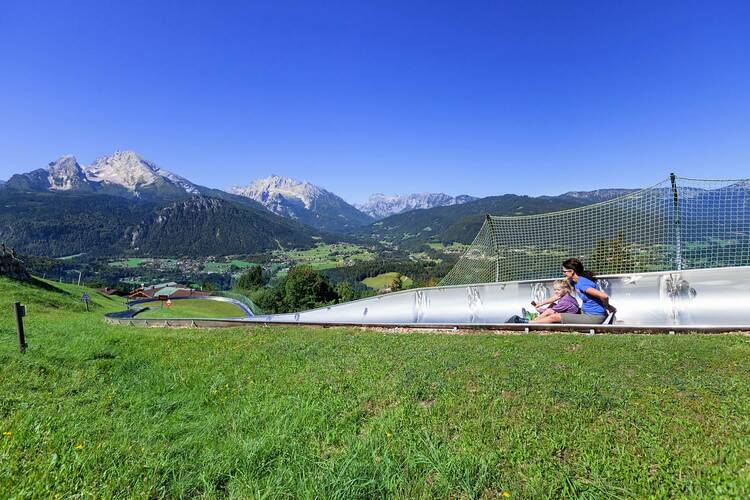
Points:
(676, 224)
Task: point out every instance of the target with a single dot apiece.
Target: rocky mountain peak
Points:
(304, 202)
(598, 195)
(65, 173)
(275, 189)
(381, 205)
(129, 170)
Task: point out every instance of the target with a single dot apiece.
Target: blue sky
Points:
(481, 98)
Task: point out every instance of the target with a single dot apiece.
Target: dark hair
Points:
(577, 266)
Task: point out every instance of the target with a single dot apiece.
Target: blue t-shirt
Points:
(591, 305)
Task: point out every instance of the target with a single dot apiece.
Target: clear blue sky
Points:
(461, 97)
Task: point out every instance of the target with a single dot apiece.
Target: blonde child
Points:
(561, 301)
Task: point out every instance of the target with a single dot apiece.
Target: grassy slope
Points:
(384, 280)
(193, 309)
(98, 409)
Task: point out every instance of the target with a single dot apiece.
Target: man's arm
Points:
(601, 296)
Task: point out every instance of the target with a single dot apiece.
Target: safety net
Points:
(677, 224)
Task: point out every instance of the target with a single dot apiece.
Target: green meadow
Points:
(328, 256)
(94, 410)
(192, 308)
(385, 280)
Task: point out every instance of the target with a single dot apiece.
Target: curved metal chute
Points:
(698, 297)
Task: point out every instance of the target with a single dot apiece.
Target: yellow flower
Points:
(7, 433)
(388, 435)
(79, 447)
(506, 494)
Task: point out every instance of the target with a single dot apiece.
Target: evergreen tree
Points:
(397, 283)
(612, 256)
(250, 279)
(345, 292)
(268, 299)
(304, 288)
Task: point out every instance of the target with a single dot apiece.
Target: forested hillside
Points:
(459, 223)
(209, 226)
(59, 224)
(56, 224)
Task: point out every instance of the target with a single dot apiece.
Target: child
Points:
(561, 301)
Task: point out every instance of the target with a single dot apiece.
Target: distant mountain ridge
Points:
(123, 204)
(380, 206)
(130, 171)
(123, 173)
(305, 202)
(459, 223)
(598, 195)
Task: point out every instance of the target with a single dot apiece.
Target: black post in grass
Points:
(20, 312)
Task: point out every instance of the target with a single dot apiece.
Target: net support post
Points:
(488, 221)
(677, 222)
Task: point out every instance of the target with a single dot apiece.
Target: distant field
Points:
(384, 281)
(223, 267)
(452, 248)
(194, 308)
(322, 256)
(163, 263)
(325, 256)
(97, 410)
(136, 262)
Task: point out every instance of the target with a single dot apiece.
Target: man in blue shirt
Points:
(592, 302)
(595, 301)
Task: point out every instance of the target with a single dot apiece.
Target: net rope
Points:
(676, 224)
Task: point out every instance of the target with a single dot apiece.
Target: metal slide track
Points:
(711, 300)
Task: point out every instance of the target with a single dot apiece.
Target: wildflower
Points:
(388, 435)
(79, 447)
(506, 494)
(7, 434)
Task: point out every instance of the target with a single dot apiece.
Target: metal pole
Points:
(488, 220)
(677, 222)
(19, 312)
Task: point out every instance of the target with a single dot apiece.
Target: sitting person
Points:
(560, 302)
(595, 301)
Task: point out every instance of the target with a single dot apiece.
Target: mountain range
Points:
(379, 205)
(304, 202)
(127, 174)
(124, 173)
(125, 204)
